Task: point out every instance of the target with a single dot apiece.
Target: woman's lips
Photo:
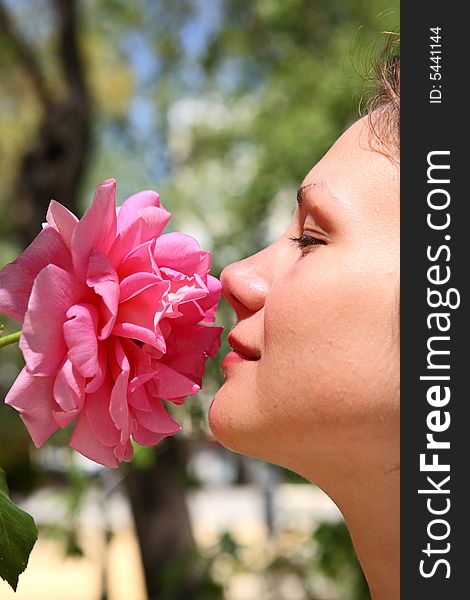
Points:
(235, 357)
(240, 353)
(243, 350)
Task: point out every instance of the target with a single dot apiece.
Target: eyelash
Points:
(304, 241)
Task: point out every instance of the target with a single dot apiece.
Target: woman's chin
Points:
(230, 424)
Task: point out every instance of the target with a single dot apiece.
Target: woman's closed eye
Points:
(304, 240)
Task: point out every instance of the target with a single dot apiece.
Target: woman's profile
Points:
(312, 383)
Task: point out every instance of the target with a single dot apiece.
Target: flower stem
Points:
(12, 338)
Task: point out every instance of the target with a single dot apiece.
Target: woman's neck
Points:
(369, 499)
(372, 515)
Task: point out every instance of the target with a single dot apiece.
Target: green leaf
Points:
(18, 534)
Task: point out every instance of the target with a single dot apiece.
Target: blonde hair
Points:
(383, 104)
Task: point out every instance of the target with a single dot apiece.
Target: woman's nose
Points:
(245, 285)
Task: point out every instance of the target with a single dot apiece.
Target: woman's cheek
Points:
(288, 368)
(324, 351)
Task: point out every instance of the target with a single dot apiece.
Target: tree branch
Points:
(25, 54)
(69, 51)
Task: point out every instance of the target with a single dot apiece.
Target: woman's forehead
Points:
(353, 177)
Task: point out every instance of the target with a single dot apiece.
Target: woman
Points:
(312, 383)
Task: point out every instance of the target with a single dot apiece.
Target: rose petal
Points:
(182, 253)
(17, 278)
(64, 221)
(139, 399)
(144, 437)
(96, 229)
(118, 408)
(138, 317)
(189, 347)
(84, 441)
(139, 260)
(184, 288)
(69, 388)
(189, 314)
(63, 419)
(157, 420)
(141, 369)
(172, 384)
(138, 381)
(97, 381)
(103, 279)
(32, 397)
(143, 334)
(137, 283)
(145, 308)
(99, 419)
(210, 302)
(124, 451)
(146, 224)
(80, 337)
(128, 211)
(42, 340)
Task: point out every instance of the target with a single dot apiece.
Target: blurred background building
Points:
(222, 106)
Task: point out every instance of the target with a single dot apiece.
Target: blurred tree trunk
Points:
(162, 522)
(53, 165)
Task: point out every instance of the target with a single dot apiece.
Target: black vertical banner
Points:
(435, 310)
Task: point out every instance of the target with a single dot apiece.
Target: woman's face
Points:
(317, 368)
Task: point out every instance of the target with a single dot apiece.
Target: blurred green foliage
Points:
(222, 106)
(310, 565)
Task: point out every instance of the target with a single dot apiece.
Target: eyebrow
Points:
(301, 192)
(303, 189)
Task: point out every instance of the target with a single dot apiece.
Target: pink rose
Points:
(113, 320)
